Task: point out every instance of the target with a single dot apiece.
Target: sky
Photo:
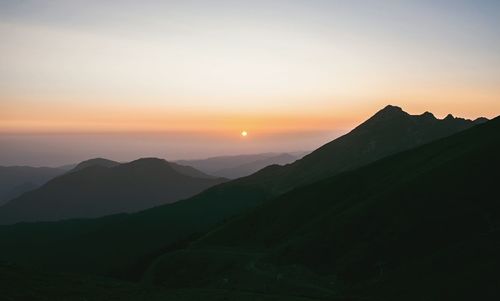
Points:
(182, 79)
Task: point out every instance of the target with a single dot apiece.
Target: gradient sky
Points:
(183, 78)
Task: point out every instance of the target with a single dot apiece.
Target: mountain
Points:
(67, 167)
(94, 162)
(241, 165)
(212, 164)
(15, 180)
(190, 171)
(419, 225)
(251, 167)
(35, 285)
(389, 131)
(100, 187)
(91, 245)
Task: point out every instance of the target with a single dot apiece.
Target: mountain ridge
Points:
(95, 162)
(157, 228)
(378, 231)
(99, 187)
(15, 180)
(236, 166)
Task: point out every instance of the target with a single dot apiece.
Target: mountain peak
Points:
(148, 163)
(99, 190)
(480, 120)
(390, 111)
(162, 165)
(148, 160)
(428, 115)
(95, 162)
(449, 117)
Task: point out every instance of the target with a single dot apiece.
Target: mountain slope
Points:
(251, 167)
(389, 131)
(190, 171)
(15, 180)
(97, 188)
(91, 245)
(214, 164)
(95, 162)
(34, 285)
(420, 225)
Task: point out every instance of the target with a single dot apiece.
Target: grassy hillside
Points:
(124, 245)
(420, 225)
(21, 284)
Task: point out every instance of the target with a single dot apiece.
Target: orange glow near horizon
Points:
(102, 119)
(180, 79)
(218, 68)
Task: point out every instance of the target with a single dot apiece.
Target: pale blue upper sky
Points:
(232, 65)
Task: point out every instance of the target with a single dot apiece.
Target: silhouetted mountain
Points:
(35, 285)
(419, 225)
(67, 167)
(190, 171)
(389, 131)
(100, 187)
(16, 191)
(240, 165)
(91, 245)
(15, 180)
(251, 167)
(94, 162)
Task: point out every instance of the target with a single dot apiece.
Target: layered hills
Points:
(15, 180)
(101, 187)
(91, 245)
(407, 227)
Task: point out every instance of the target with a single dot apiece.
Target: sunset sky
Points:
(182, 79)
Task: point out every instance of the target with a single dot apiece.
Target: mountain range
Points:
(15, 180)
(389, 131)
(422, 224)
(101, 187)
(91, 245)
(233, 167)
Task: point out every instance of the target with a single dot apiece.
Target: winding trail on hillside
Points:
(251, 266)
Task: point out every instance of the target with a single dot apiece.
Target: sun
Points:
(244, 133)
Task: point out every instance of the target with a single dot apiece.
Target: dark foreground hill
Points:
(101, 187)
(123, 244)
(15, 180)
(34, 285)
(420, 225)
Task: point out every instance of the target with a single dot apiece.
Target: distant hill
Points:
(90, 245)
(94, 162)
(67, 167)
(191, 171)
(100, 187)
(233, 167)
(15, 180)
(419, 225)
(246, 169)
(212, 164)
